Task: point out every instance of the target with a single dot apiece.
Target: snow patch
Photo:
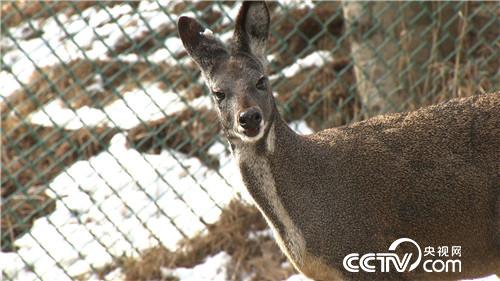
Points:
(318, 59)
(207, 32)
(133, 108)
(214, 268)
(298, 277)
(86, 36)
(300, 127)
(120, 202)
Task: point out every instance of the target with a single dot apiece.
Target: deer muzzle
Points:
(250, 120)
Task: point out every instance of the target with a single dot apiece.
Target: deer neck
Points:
(257, 172)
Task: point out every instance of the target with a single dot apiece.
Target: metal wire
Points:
(331, 64)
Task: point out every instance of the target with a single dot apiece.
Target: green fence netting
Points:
(110, 148)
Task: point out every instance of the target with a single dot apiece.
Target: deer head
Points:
(236, 73)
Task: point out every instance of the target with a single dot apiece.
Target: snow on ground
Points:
(119, 201)
(298, 277)
(317, 59)
(214, 268)
(135, 107)
(297, 3)
(301, 128)
(89, 35)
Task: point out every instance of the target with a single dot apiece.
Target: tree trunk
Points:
(392, 46)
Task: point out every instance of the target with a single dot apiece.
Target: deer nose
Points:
(250, 119)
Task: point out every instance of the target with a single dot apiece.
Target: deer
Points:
(431, 176)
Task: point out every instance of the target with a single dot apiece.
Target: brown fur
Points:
(432, 175)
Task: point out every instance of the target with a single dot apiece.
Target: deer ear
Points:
(201, 44)
(252, 29)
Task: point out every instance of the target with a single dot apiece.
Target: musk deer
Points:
(431, 176)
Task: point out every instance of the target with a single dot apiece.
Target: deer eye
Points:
(219, 95)
(262, 83)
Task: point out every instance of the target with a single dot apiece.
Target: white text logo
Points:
(391, 261)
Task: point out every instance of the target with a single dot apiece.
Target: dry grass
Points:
(152, 40)
(33, 155)
(190, 132)
(19, 11)
(318, 30)
(70, 82)
(321, 96)
(19, 212)
(462, 62)
(259, 257)
(146, 42)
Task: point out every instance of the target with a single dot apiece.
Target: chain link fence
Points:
(112, 162)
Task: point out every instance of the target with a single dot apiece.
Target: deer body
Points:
(356, 189)
(432, 175)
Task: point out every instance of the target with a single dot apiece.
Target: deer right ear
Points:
(200, 44)
(252, 29)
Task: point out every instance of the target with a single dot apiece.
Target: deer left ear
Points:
(201, 44)
(252, 29)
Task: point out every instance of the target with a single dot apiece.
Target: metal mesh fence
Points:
(109, 143)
